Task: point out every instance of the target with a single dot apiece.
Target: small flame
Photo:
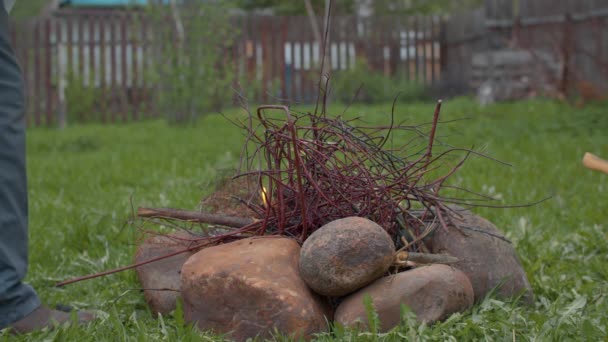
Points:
(264, 195)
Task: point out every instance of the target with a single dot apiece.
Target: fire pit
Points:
(326, 215)
(369, 217)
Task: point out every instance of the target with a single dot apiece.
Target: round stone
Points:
(345, 255)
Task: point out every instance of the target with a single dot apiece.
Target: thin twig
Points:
(194, 216)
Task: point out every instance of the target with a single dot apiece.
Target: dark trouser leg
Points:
(16, 299)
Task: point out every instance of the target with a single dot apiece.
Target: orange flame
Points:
(264, 195)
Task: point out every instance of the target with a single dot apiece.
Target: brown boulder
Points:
(161, 280)
(431, 292)
(250, 288)
(345, 255)
(487, 258)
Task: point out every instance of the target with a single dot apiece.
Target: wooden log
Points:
(402, 258)
(194, 216)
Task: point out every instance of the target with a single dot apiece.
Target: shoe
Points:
(43, 317)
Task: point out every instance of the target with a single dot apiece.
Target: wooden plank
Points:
(81, 44)
(275, 58)
(281, 52)
(250, 55)
(295, 71)
(425, 42)
(123, 86)
(307, 78)
(113, 68)
(406, 43)
(336, 38)
(62, 72)
(416, 50)
(48, 85)
(381, 32)
(303, 73)
(393, 43)
(443, 51)
(433, 39)
(313, 74)
(267, 50)
(303, 79)
(92, 74)
(36, 94)
(235, 62)
(351, 38)
(255, 61)
(147, 100)
(317, 60)
(103, 24)
(135, 91)
(314, 63)
(507, 9)
(69, 22)
(292, 97)
(264, 63)
(487, 8)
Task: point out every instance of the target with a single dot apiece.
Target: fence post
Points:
(60, 72)
(48, 84)
(566, 49)
(515, 31)
(37, 92)
(443, 48)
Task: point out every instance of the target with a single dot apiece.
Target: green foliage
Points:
(193, 69)
(84, 180)
(282, 7)
(83, 100)
(409, 7)
(361, 84)
(373, 320)
(379, 7)
(28, 8)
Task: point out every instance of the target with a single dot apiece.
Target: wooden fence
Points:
(100, 58)
(66, 55)
(573, 33)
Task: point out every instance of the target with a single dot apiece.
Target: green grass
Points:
(82, 181)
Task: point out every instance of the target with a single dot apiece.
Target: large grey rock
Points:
(250, 288)
(486, 257)
(345, 255)
(161, 280)
(431, 292)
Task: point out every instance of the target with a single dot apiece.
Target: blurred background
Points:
(124, 60)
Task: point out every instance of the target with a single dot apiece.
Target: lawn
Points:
(83, 181)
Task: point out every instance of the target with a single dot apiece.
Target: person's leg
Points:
(20, 308)
(16, 299)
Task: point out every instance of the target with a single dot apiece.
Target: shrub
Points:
(82, 100)
(192, 68)
(373, 87)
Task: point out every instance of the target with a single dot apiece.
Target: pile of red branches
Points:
(312, 169)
